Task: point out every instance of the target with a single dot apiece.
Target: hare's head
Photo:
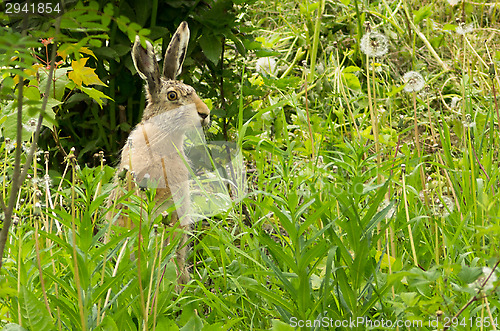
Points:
(164, 93)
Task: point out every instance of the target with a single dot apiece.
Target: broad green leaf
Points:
(164, 323)
(352, 81)
(83, 75)
(195, 323)
(35, 315)
(107, 324)
(32, 93)
(211, 46)
(13, 327)
(281, 326)
(95, 94)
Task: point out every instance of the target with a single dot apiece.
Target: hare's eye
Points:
(172, 95)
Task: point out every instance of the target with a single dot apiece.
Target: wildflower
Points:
(462, 28)
(481, 283)
(48, 41)
(30, 126)
(453, 2)
(374, 44)
(414, 81)
(376, 67)
(266, 65)
(454, 102)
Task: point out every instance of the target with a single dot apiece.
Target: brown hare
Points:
(154, 152)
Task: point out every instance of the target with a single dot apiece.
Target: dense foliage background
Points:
(370, 132)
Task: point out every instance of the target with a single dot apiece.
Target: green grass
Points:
(347, 215)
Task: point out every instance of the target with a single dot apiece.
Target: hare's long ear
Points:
(176, 52)
(146, 65)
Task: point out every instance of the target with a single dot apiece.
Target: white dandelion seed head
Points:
(30, 126)
(469, 124)
(414, 81)
(454, 102)
(47, 181)
(462, 28)
(266, 65)
(37, 181)
(374, 44)
(453, 2)
(490, 284)
(444, 206)
(9, 145)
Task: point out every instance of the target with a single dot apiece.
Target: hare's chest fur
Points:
(157, 155)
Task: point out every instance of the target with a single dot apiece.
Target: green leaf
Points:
(165, 323)
(212, 47)
(95, 94)
(34, 314)
(13, 327)
(32, 93)
(468, 274)
(195, 323)
(31, 110)
(352, 81)
(82, 74)
(351, 69)
(281, 326)
(422, 13)
(108, 14)
(107, 324)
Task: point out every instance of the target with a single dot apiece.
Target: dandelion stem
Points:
(139, 277)
(419, 151)
(414, 252)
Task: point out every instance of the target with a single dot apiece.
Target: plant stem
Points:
(83, 320)
(419, 150)
(414, 252)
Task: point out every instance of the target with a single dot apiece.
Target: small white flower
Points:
(464, 28)
(414, 81)
(374, 44)
(266, 65)
(453, 2)
(478, 284)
